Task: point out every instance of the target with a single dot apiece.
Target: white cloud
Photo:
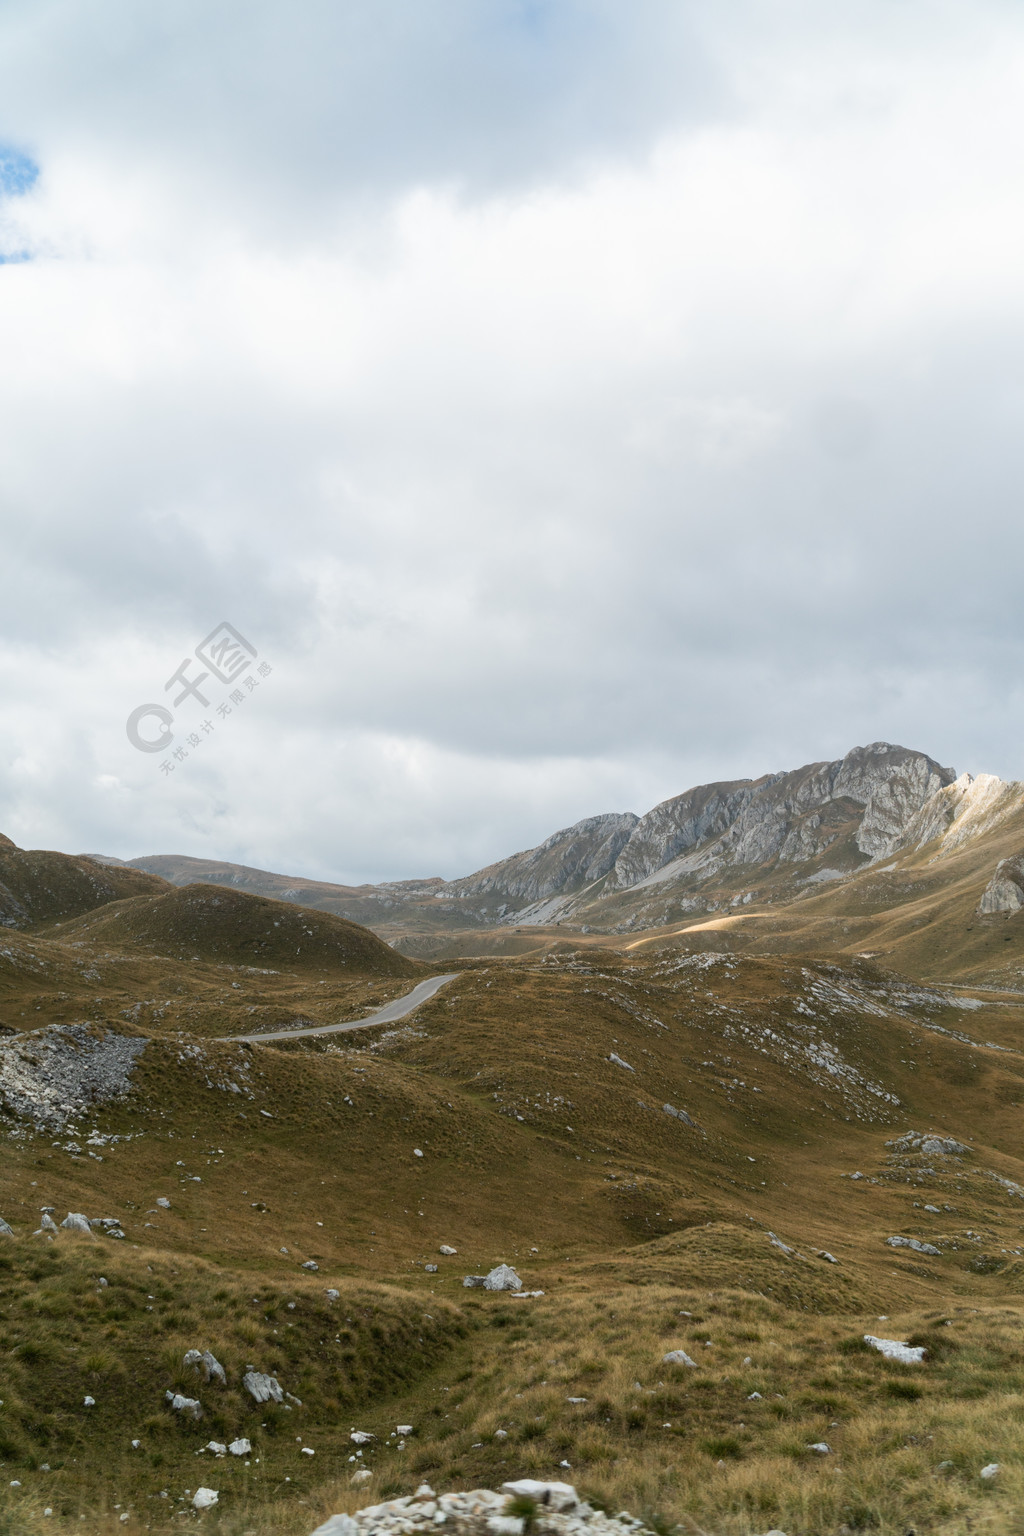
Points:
(557, 457)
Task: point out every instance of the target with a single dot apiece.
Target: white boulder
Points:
(264, 1389)
(895, 1349)
(914, 1243)
(203, 1360)
(240, 1447)
(560, 1497)
(502, 1278)
(338, 1525)
(678, 1357)
(191, 1407)
(204, 1498)
(74, 1221)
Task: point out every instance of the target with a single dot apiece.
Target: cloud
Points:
(572, 402)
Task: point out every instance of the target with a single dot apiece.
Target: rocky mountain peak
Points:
(783, 817)
(566, 861)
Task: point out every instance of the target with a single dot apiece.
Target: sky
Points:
(561, 402)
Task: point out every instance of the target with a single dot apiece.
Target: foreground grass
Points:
(487, 1387)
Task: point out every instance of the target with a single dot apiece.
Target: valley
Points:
(754, 1135)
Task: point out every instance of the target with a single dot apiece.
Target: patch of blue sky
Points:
(18, 172)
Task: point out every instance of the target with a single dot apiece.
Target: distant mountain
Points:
(697, 851)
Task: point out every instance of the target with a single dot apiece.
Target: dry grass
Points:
(539, 1150)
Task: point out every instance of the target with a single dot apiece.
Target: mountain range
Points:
(883, 849)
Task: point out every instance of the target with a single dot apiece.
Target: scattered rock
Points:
(678, 1357)
(620, 1063)
(6, 1230)
(915, 1244)
(678, 1114)
(821, 1447)
(240, 1448)
(163, 1202)
(829, 1258)
(403, 1429)
(191, 1407)
(754, 1397)
(88, 1402)
(362, 1476)
(47, 1075)
(361, 1437)
(74, 1221)
(416, 1152)
(448, 1252)
(473, 1280)
(307, 1450)
(207, 1363)
(777, 1242)
(894, 1349)
(332, 1295)
(311, 1264)
(265, 1389)
(47, 1225)
(930, 1143)
(204, 1498)
(503, 1278)
(989, 1472)
(559, 1511)
(215, 1446)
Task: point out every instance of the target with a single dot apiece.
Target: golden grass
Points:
(542, 1151)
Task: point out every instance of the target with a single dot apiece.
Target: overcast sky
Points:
(569, 401)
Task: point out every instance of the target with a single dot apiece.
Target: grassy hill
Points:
(200, 922)
(682, 1139)
(39, 886)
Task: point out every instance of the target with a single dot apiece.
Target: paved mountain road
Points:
(386, 1015)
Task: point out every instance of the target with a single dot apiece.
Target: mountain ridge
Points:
(872, 793)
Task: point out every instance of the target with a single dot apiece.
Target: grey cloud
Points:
(542, 507)
(321, 98)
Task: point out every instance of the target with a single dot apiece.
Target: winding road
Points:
(386, 1015)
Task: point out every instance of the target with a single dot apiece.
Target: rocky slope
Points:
(40, 887)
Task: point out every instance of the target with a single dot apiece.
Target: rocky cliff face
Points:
(962, 811)
(568, 860)
(787, 817)
(1005, 891)
(872, 793)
